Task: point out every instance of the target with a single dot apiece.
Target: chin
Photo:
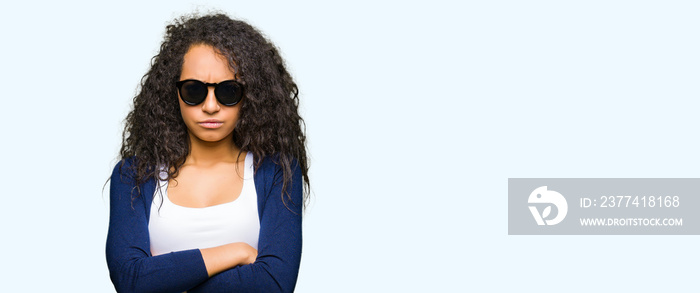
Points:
(211, 138)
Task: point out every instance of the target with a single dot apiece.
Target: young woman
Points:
(212, 179)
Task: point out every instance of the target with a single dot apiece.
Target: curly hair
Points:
(269, 124)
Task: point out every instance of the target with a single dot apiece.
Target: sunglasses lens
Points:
(228, 93)
(193, 92)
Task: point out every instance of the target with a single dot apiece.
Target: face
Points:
(209, 121)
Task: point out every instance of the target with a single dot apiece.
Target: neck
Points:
(210, 153)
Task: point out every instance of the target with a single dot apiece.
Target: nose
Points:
(210, 104)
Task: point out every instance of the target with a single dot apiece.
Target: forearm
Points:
(258, 277)
(221, 258)
(172, 272)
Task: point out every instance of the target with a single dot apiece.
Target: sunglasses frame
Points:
(179, 85)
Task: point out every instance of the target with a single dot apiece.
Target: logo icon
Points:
(543, 196)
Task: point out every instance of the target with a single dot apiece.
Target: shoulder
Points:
(264, 173)
(124, 181)
(275, 186)
(125, 171)
(271, 168)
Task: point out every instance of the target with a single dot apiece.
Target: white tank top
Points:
(175, 228)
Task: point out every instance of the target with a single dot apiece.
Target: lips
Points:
(211, 123)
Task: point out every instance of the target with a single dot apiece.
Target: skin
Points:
(212, 173)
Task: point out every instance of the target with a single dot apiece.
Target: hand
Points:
(220, 258)
(246, 253)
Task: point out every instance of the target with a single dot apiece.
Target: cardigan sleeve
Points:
(132, 268)
(279, 244)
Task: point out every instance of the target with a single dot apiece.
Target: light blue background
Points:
(416, 112)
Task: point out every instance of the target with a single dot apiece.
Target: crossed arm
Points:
(226, 268)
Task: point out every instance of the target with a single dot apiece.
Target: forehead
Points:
(204, 63)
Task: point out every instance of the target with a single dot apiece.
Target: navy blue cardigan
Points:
(132, 268)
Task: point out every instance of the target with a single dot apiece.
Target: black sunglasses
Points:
(194, 92)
